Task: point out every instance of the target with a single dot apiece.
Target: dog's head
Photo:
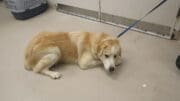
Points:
(109, 52)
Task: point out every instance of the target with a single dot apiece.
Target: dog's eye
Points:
(106, 56)
(115, 56)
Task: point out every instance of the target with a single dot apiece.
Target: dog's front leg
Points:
(118, 61)
(87, 61)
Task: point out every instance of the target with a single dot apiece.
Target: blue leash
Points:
(137, 21)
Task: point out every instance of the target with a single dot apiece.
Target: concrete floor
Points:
(148, 72)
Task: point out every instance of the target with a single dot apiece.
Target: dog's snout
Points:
(111, 69)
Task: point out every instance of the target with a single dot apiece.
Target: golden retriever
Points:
(83, 48)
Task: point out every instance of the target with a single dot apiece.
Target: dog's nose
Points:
(111, 69)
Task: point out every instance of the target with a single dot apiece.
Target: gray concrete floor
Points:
(148, 72)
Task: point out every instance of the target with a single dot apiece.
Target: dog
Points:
(86, 49)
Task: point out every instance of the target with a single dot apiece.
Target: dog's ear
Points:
(99, 48)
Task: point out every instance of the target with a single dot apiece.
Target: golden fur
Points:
(83, 48)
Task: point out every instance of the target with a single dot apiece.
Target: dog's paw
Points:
(118, 62)
(55, 75)
(83, 67)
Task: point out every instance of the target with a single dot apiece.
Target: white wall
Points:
(86, 4)
(164, 15)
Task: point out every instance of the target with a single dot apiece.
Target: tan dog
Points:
(83, 48)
